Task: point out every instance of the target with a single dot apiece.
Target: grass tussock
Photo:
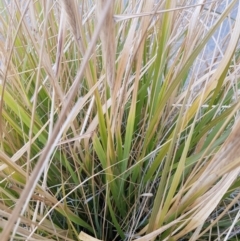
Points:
(119, 121)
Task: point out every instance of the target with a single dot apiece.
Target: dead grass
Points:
(119, 120)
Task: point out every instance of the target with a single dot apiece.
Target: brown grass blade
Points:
(74, 20)
(107, 36)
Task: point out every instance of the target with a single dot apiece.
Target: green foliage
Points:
(118, 121)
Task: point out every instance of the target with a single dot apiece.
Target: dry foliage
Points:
(119, 120)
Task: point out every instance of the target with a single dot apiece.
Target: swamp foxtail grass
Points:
(119, 120)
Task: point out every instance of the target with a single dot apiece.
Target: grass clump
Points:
(119, 120)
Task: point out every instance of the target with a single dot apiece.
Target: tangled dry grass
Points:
(119, 120)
